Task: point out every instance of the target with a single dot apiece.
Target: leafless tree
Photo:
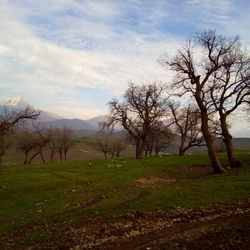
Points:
(32, 142)
(230, 86)
(43, 138)
(64, 141)
(109, 142)
(187, 124)
(142, 108)
(161, 138)
(9, 119)
(27, 143)
(53, 142)
(195, 66)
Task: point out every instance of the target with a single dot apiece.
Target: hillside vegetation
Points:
(41, 203)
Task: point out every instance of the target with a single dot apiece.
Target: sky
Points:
(72, 57)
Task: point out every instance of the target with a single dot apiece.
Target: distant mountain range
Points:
(50, 119)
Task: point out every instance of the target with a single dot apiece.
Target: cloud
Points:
(41, 67)
(72, 57)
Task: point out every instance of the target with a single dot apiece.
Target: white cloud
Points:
(42, 68)
(57, 54)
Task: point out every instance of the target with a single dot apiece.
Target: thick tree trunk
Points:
(217, 168)
(181, 148)
(139, 149)
(227, 139)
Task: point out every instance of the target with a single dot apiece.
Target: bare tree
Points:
(109, 142)
(32, 142)
(196, 64)
(187, 124)
(43, 138)
(142, 108)
(64, 141)
(8, 119)
(230, 87)
(27, 143)
(53, 143)
(161, 138)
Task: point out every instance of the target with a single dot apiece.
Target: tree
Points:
(160, 139)
(32, 142)
(9, 119)
(64, 141)
(109, 142)
(187, 125)
(195, 66)
(27, 143)
(230, 86)
(142, 108)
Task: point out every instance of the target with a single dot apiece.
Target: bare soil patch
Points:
(142, 182)
(216, 227)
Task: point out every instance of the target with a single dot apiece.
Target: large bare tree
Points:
(230, 88)
(195, 66)
(143, 106)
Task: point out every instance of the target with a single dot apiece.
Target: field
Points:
(89, 203)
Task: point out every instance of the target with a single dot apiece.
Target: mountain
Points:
(75, 124)
(14, 103)
(94, 122)
(18, 103)
(50, 119)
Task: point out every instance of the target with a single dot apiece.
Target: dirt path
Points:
(217, 227)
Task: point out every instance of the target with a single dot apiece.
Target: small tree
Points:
(9, 119)
(109, 142)
(64, 141)
(32, 142)
(142, 108)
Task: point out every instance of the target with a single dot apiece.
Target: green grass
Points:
(73, 193)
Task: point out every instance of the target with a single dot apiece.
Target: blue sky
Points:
(72, 56)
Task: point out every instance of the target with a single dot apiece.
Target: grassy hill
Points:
(40, 204)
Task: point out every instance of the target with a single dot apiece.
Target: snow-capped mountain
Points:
(18, 103)
(15, 103)
(50, 119)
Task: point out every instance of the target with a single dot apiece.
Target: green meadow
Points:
(55, 197)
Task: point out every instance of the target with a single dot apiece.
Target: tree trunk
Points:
(42, 157)
(181, 152)
(52, 155)
(65, 155)
(227, 139)
(139, 149)
(217, 168)
(181, 148)
(26, 158)
(30, 160)
(60, 153)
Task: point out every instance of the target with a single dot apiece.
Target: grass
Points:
(71, 194)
